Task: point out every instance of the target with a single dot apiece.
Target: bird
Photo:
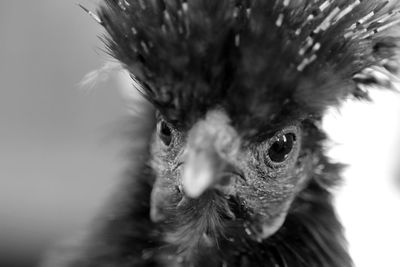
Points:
(231, 167)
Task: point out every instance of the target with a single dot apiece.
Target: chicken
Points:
(232, 170)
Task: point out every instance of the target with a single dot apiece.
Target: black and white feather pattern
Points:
(258, 56)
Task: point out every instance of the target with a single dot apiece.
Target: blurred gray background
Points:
(57, 156)
(60, 155)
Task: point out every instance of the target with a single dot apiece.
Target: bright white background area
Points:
(367, 137)
(59, 160)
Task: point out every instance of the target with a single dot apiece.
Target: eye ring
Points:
(282, 147)
(165, 132)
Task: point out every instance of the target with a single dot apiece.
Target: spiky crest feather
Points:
(256, 56)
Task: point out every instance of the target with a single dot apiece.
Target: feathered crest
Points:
(258, 59)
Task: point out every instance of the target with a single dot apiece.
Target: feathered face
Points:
(233, 82)
(211, 169)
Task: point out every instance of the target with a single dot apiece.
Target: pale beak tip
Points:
(195, 183)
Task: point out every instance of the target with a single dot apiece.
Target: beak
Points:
(211, 148)
(202, 169)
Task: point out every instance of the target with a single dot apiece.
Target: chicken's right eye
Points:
(165, 133)
(281, 148)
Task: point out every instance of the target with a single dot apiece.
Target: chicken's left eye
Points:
(282, 146)
(165, 133)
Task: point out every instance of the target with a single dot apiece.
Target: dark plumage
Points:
(235, 172)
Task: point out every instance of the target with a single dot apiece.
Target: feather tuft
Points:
(252, 55)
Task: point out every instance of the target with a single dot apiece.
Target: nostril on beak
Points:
(179, 189)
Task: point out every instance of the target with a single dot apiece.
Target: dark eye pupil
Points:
(165, 133)
(281, 148)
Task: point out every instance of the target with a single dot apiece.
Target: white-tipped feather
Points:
(100, 75)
